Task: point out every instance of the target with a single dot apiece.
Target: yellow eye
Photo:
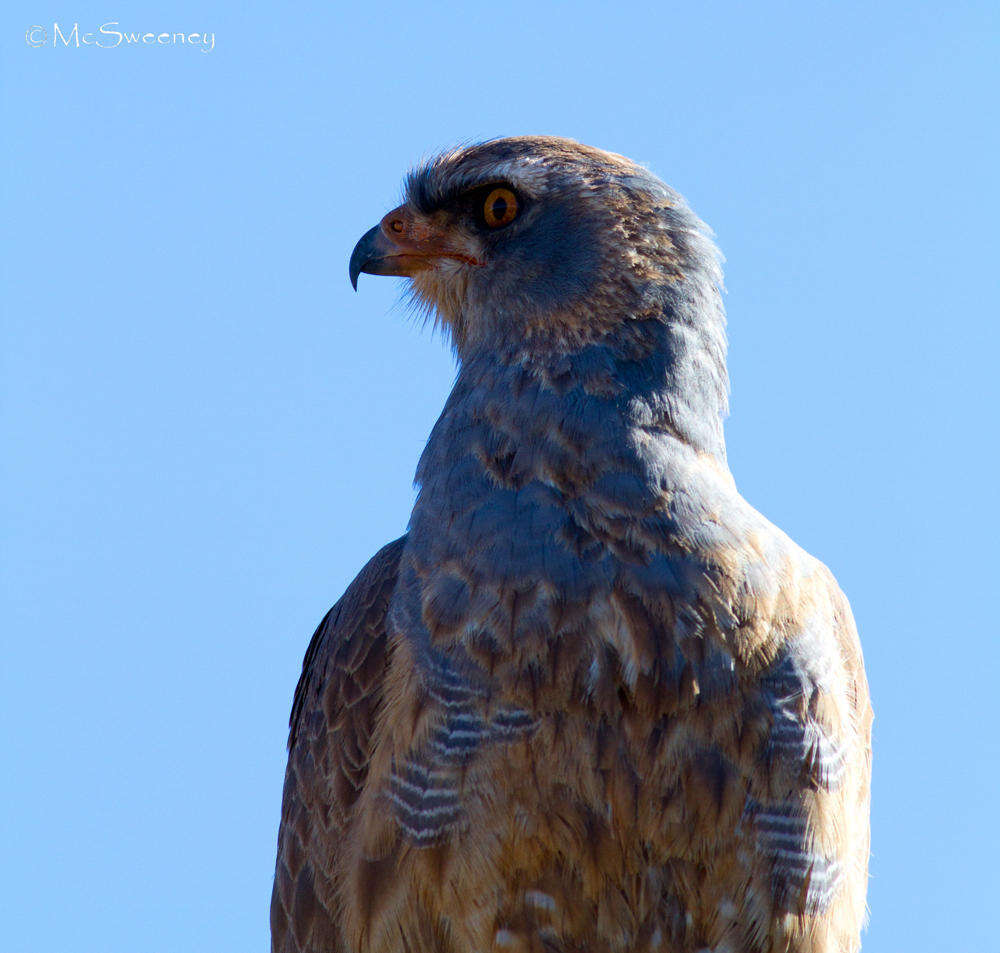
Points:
(500, 208)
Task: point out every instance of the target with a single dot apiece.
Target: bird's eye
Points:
(500, 208)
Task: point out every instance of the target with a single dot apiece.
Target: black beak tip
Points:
(363, 253)
(354, 269)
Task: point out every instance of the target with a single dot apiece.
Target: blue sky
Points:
(207, 433)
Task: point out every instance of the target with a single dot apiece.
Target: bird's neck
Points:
(651, 378)
(563, 470)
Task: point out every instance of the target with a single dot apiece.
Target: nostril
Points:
(396, 225)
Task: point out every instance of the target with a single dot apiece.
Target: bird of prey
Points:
(591, 701)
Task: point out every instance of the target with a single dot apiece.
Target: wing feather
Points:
(333, 715)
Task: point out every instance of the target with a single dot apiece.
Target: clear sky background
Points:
(206, 433)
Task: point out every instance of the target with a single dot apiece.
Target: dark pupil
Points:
(499, 209)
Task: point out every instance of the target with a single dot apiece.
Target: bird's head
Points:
(542, 243)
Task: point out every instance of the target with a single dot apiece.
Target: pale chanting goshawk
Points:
(591, 701)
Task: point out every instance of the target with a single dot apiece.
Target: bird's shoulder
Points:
(773, 606)
(758, 570)
(347, 652)
(793, 631)
(802, 599)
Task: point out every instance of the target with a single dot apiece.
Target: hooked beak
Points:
(402, 244)
(373, 255)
